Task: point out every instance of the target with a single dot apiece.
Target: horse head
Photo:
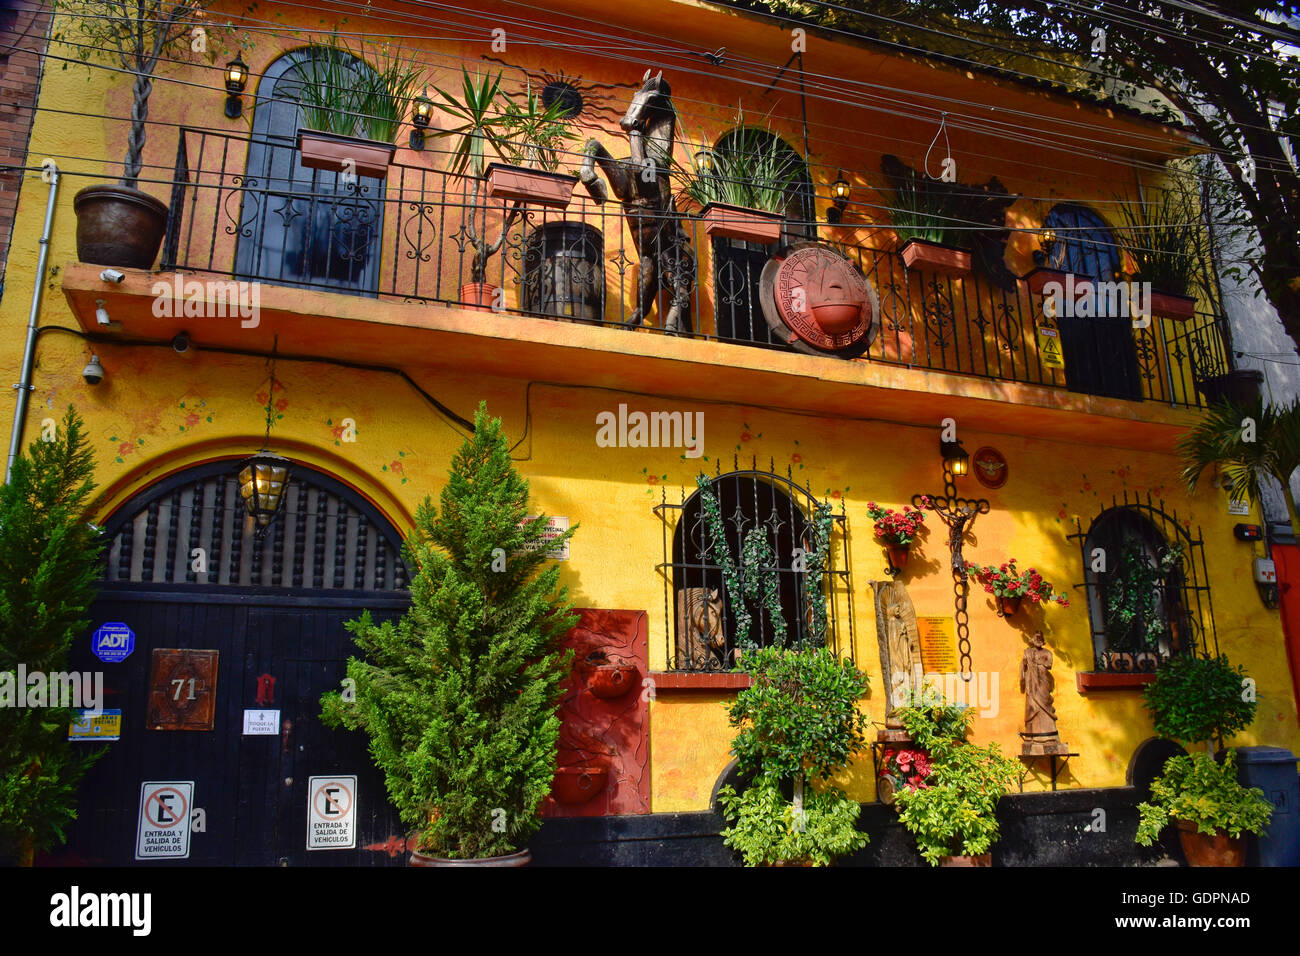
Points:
(649, 104)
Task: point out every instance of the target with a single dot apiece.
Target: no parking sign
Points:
(332, 813)
(164, 829)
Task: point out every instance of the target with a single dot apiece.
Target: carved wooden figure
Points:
(901, 666)
(700, 634)
(1040, 735)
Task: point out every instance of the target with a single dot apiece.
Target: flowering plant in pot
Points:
(901, 768)
(459, 697)
(121, 225)
(1011, 586)
(526, 133)
(897, 529)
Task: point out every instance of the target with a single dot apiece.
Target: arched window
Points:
(738, 264)
(301, 226)
(703, 624)
(1147, 596)
(1099, 355)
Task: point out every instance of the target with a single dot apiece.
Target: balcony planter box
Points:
(118, 226)
(932, 257)
(329, 151)
(1168, 305)
(735, 222)
(1040, 277)
(533, 186)
(1240, 387)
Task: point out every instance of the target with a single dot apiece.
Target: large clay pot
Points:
(118, 226)
(533, 186)
(1170, 305)
(984, 859)
(521, 858)
(1240, 387)
(335, 153)
(1010, 605)
(478, 295)
(1203, 850)
(897, 555)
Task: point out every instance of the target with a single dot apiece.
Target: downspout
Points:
(50, 173)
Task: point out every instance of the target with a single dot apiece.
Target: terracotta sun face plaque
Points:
(817, 301)
(990, 467)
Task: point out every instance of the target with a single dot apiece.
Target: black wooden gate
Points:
(281, 644)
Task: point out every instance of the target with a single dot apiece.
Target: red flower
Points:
(914, 780)
(745, 436)
(796, 458)
(192, 419)
(263, 398)
(339, 430)
(282, 404)
(125, 448)
(836, 494)
(652, 479)
(396, 466)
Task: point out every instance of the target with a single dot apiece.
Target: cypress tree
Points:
(459, 695)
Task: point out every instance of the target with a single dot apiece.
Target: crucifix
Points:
(958, 514)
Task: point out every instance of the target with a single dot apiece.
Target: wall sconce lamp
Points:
(1046, 246)
(236, 80)
(421, 113)
(840, 191)
(704, 161)
(955, 458)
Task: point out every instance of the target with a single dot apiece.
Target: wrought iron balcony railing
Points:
(246, 208)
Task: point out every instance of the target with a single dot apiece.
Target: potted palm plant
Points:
(120, 224)
(926, 218)
(743, 186)
(529, 136)
(460, 696)
(352, 113)
(1164, 238)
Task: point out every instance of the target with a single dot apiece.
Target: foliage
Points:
(922, 209)
(768, 829)
(1246, 443)
(1006, 580)
(799, 714)
(1133, 591)
(1199, 698)
(815, 564)
(340, 96)
(459, 696)
(896, 527)
(932, 722)
(752, 169)
(138, 37)
(535, 134)
(1201, 790)
(49, 566)
(1166, 237)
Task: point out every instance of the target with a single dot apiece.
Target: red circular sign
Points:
(990, 467)
(818, 302)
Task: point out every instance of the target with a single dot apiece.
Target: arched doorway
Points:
(307, 227)
(185, 573)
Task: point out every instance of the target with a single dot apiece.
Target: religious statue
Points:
(643, 184)
(900, 653)
(1040, 735)
(701, 636)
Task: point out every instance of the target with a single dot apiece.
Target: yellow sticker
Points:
(1049, 347)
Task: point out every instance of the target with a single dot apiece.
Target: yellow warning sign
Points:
(1049, 347)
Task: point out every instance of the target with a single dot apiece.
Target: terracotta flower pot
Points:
(611, 680)
(1010, 605)
(1205, 850)
(118, 226)
(836, 318)
(984, 859)
(1040, 277)
(735, 222)
(936, 258)
(574, 785)
(479, 296)
(329, 151)
(1240, 386)
(521, 858)
(897, 554)
(1167, 305)
(533, 186)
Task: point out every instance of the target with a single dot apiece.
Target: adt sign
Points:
(113, 642)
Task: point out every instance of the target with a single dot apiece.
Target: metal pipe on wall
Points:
(50, 173)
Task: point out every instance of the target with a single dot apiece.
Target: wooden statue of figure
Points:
(643, 184)
(900, 654)
(1040, 735)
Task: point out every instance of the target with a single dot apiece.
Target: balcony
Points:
(371, 270)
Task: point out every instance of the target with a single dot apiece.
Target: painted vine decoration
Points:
(815, 565)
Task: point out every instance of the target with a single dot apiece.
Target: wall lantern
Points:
(236, 80)
(421, 113)
(955, 458)
(1046, 246)
(840, 191)
(704, 161)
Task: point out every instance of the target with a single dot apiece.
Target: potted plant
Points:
(1011, 586)
(1195, 699)
(927, 219)
(901, 768)
(1165, 241)
(897, 529)
(798, 721)
(1133, 622)
(352, 112)
(530, 134)
(952, 813)
(459, 697)
(1211, 809)
(121, 225)
(743, 187)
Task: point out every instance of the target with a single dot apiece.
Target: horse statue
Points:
(643, 184)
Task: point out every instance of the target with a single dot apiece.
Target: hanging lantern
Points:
(955, 458)
(262, 481)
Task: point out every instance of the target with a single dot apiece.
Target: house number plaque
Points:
(182, 689)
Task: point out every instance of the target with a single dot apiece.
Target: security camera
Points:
(93, 373)
(181, 343)
(101, 313)
(112, 275)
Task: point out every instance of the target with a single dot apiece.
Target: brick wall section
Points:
(23, 28)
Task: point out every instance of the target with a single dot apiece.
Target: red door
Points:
(1287, 558)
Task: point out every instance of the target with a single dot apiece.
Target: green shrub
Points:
(1203, 791)
(1198, 698)
(768, 830)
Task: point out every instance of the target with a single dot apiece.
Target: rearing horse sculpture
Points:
(643, 184)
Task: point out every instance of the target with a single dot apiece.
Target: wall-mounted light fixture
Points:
(421, 113)
(840, 192)
(236, 80)
(955, 458)
(704, 161)
(1046, 246)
